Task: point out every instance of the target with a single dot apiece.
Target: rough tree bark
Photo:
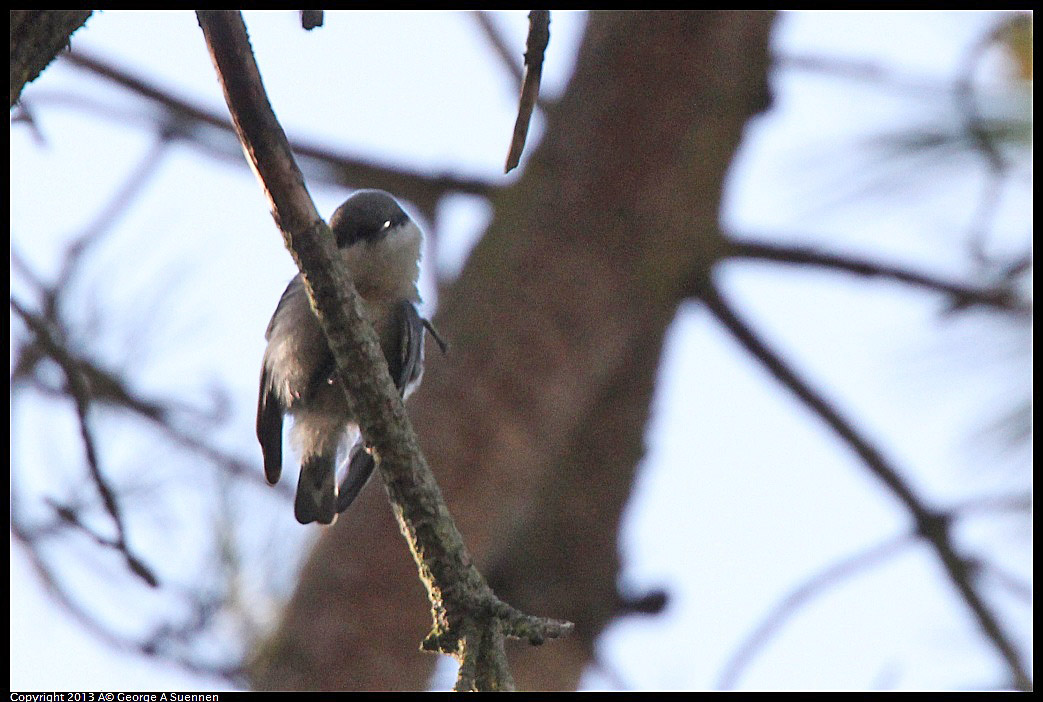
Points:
(534, 421)
(36, 38)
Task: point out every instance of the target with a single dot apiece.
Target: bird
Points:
(380, 247)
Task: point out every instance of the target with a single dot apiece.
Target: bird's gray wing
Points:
(360, 467)
(270, 409)
(316, 496)
(408, 365)
(405, 359)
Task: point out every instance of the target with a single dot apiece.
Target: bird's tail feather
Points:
(360, 467)
(317, 491)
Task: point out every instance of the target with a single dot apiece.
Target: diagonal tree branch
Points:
(962, 294)
(933, 526)
(835, 573)
(469, 621)
(824, 580)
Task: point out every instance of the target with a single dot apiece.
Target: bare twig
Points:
(1017, 266)
(81, 395)
(51, 293)
(967, 100)
(87, 385)
(120, 202)
(931, 525)
(982, 132)
(423, 189)
(961, 294)
(977, 128)
(1009, 581)
(799, 596)
(535, 47)
(469, 621)
(165, 639)
(993, 504)
(866, 72)
(499, 45)
(105, 387)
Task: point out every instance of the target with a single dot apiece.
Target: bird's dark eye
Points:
(386, 225)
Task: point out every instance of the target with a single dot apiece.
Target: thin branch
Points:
(105, 387)
(462, 602)
(931, 525)
(119, 203)
(980, 133)
(80, 393)
(799, 597)
(962, 294)
(24, 114)
(171, 639)
(70, 516)
(992, 504)
(862, 71)
(112, 637)
(535, 48)
(985, 212)
(499, 45)
(1012, 583)
(422, 188)
(506, 55)
(19, 264)
(967, 100)
(1017, 266)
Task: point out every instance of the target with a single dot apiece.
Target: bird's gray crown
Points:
(368, 215)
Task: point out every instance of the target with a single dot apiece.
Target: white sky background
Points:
(743, 493)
